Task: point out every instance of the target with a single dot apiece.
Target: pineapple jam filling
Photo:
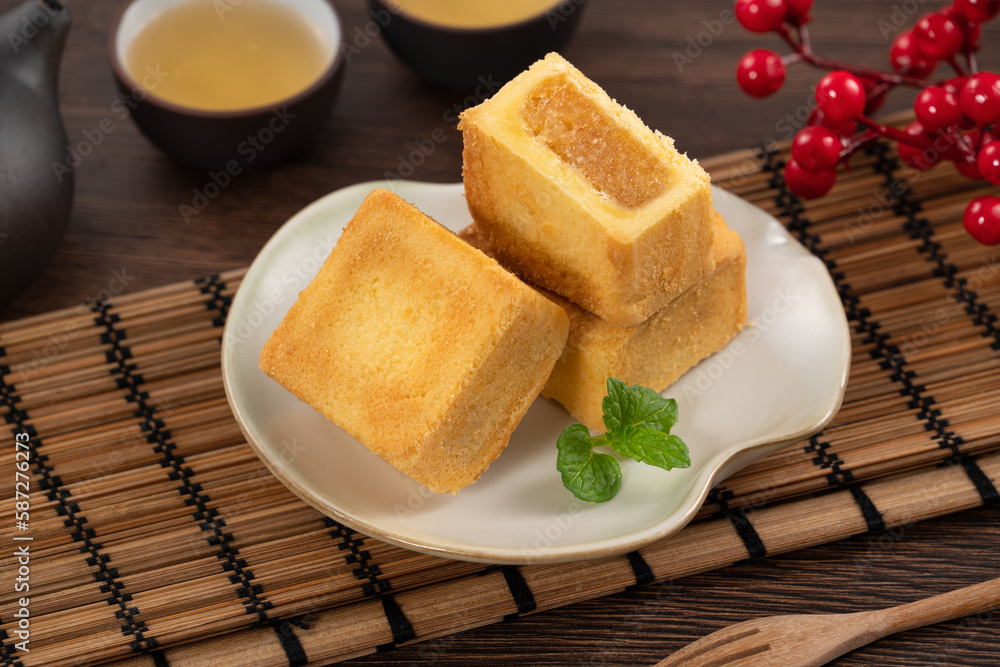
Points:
(617, 164)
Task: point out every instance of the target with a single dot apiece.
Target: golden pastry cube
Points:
(418, 345)
(657, 352)
(578, 196)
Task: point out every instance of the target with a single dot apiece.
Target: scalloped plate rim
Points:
(670, 524)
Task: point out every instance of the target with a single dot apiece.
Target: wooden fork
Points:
(810, 640)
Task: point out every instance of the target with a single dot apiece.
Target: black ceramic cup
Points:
(468, 57)
(254, 137)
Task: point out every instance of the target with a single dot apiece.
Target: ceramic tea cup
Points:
(447, 53)
(236, 138)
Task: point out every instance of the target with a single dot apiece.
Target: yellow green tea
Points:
(473, 13)
(221, 57)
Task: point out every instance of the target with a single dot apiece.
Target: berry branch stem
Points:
(957, 118)
(973, 63)
(803, 49)
(857, 142)
(953, 61)
(953, 150)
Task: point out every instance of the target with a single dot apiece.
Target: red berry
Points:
(980, 98)
(978, 11)
(968, 170)
(970, 140)
(938, 37)
(970, 31)
(817, 148)
(808, 184)
(973, 32)
(798, 11)
(907, 59)
(936, 108)
(918, 158)
(921, 160)
(841, 96)
(842, 128)
(875, 93)
(761, 15)
(989, 162)
(982, 219)
(955, 85)
(760, 72)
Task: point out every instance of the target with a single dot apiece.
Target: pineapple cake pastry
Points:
(656, 352)
(418, 345)
(573, 192)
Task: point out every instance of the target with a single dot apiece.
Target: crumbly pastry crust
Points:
(578, 196)
(419, 346)
(655, 353)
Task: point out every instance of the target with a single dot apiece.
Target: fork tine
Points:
(751, 655)
(729, 646)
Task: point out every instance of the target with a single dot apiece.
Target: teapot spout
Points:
(34, 36)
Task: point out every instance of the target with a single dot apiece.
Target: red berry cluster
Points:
(957, 118)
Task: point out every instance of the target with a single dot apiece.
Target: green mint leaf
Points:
(591, 477)
(638, 422)
(654, 448)
(636, 406)
(617, 405)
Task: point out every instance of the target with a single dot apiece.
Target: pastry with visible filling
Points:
(578, 196)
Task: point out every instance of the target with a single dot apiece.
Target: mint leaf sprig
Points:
(638, 422)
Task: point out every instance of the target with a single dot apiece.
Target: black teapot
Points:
(35, 199)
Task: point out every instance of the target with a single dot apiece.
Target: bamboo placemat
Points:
(158, 538)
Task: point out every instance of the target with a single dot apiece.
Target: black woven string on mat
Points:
(372, 585)
(524, 599)
(210, 523)
(127, 377)
(290, 644)
(920, 229)
(400, 627)
(640, 568)
(520, 592)
(790, 208)
(66, 507)
(8, 658)
(213, 285)
(824, 457)
(873, 518)
(828, 459)
(738, 517)
(887, 354)
(364, 570)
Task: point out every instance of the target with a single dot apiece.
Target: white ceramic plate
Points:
(780, 380)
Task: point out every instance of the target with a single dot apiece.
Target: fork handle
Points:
(945, 607)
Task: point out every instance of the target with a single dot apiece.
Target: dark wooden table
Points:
(672, 62)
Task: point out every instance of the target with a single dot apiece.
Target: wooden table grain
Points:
(671, 61)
